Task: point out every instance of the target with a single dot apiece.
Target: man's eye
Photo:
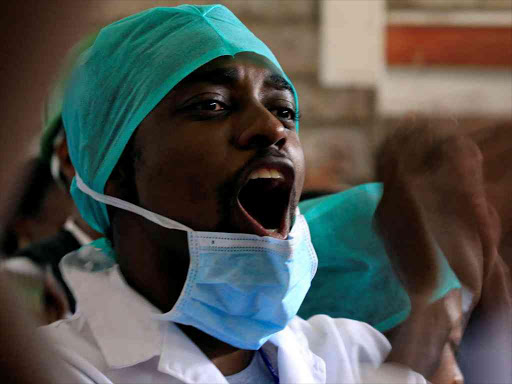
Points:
(209, 105)
(284, 113)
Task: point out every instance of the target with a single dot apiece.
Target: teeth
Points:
(266, 174)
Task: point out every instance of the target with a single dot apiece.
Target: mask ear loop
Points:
(125, 205)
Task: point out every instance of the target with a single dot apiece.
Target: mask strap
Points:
(125, 205)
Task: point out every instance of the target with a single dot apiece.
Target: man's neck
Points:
(228, 359)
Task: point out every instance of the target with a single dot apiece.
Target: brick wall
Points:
(451, 4)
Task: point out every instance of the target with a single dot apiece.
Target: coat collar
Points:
(119, 318)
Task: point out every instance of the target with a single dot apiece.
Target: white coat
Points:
(112, 338)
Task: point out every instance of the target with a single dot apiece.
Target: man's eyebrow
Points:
(278, 82)
(229, 76)
(219, 76)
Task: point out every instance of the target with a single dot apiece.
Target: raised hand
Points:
(434, 195)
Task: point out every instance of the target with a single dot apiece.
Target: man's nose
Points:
(259, 128)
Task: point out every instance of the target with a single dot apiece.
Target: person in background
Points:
(34, 266)
(182, 128)
(41, 210)
(74, 232)
(26, 358)
(419, 167)
(486, 349)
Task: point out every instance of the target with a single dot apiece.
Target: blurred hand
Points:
(434, 193)
(434, 190)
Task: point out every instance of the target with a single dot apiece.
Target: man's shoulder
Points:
(319, 325)
(351, 350)
(73, 337)
(327, 335)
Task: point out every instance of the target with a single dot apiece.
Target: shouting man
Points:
(183, 131)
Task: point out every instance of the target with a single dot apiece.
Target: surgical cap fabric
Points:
(132, 65)
(52, 113)
(355, 279)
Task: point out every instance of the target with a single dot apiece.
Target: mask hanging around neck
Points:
(240, 288)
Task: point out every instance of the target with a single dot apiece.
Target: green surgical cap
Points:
(132, 65)
(52, 112)
(355, 279)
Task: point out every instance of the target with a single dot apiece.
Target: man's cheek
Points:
(200, 187)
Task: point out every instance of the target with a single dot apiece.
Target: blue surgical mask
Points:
(240, 288)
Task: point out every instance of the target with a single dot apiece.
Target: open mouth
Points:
(265, 201)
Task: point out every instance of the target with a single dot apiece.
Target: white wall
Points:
(446, 92)
(351, 45)
(353, 54)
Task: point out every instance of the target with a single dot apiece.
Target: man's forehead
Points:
(239, 59)
(229, 70)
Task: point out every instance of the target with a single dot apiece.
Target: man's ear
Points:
(66, 167)
(122, 180)
(119, 184)
(113, 186)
